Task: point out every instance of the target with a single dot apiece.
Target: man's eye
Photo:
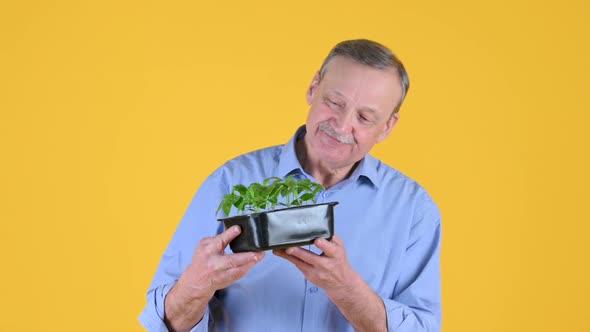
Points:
(364, 119)
(332, 103)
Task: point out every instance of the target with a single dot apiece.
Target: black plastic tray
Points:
(277, 229)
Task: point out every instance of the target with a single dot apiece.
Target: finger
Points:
(304, 255)
(337, 240)
(281, 253)
(301, 265)
(330, 249)
(229, 261)
(228, 235)
(225, 278)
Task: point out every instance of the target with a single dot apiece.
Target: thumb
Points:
(228, 235)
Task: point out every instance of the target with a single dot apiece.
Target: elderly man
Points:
(381, 270)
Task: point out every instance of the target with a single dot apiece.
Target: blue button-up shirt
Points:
(390, 228)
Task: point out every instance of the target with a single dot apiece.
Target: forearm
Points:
(361, 306)
(183, 313)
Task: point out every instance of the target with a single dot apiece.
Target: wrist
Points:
(190, 293)
(348, 290)
(183, 309)
(360, 305)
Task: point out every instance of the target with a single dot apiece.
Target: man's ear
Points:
(313, 87)
(388, 127)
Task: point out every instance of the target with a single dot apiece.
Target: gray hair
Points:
(372, 54)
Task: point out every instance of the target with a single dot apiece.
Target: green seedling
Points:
(269, 194)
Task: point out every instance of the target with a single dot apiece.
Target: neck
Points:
(323, 173)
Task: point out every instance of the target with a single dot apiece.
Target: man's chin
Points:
(336, 159)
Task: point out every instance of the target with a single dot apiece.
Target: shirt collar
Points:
(366, 169)
(288, 162)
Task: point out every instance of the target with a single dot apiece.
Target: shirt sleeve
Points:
(416, 302)
(198, 222)
(152, 317)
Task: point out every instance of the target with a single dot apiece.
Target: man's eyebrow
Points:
(338, 93)
(368, 109)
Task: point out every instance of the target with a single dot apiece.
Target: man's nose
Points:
(343, 122)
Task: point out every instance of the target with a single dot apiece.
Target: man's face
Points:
(350, 111)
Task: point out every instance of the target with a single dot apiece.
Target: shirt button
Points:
(313, 289)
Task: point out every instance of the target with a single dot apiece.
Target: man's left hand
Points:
(361, 306)
(330, 270)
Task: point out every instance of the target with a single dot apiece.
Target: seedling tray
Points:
(282, 228)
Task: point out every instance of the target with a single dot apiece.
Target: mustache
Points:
(332, 133)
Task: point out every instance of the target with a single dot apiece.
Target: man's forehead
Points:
(345, 71)
(350, 80)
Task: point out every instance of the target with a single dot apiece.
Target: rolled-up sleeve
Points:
(152, 317)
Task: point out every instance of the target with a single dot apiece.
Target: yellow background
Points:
(114, 112)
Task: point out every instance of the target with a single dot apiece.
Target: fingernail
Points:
(236, 229)
(256, 258)
(289, 250)
(320, 241)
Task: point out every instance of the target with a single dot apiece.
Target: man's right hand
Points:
(211, 269)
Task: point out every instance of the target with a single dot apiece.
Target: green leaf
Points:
(241, 189)
(306, 197)
(219, 208)
(273, 179)
(275, 188)
(239, 203)
(226, 204)
(251, 194)
(285, 191)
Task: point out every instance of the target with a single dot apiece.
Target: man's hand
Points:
(330, 271)
(211, 269)
(361, 306)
